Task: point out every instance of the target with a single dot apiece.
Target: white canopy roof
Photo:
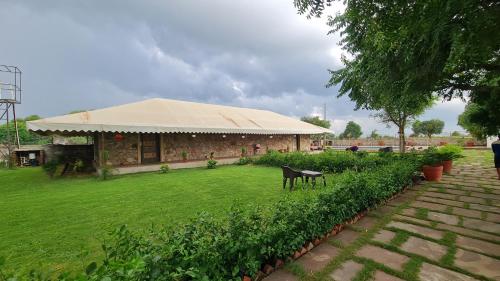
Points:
(173, 116)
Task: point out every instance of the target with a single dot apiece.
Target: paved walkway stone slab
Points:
(384, 236)
(478, 245)
(425, 248)
(444, 218)
(486, 195)
(383, 256)
(482, 225)
(347, 271)
(281, 275)
(318, 258)
(469, 232)
(346, 236)
(478, 264)
(485, 208)
(382, 276)
(466, 212)
(432, 233)
(493, 217)
(430, 272)
(409, 212)
(427, 205)
(440, 195)
(472, 199)
(450, 191)
(411, 219)
(383, 210)
(366, 223)
(441, 201)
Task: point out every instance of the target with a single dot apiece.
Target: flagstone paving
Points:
(436, 231)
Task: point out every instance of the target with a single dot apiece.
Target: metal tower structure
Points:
(10, 96)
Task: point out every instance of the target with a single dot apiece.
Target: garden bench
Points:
(313, 175)
(293, 175)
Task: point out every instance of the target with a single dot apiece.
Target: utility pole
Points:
(324, 118)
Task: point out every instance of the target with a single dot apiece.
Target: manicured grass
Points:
(48, 222)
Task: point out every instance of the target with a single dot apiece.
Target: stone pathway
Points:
(445, 231)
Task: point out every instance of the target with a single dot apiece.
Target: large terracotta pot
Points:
(433, 173)
(447, 165)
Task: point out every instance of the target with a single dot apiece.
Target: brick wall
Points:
(125, 152)
(202, 145)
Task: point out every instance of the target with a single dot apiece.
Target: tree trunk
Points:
(402, 144)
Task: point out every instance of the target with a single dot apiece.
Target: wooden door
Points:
(150, 148)
(297, 139)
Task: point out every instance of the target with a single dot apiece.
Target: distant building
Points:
(147, 133)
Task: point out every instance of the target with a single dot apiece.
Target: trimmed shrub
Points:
(50, 167)
(164, 168)
(211, 164)
(244, 161)
(328, 161)
(248, 237)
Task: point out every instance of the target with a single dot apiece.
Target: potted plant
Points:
(449, 153)
(432, 165)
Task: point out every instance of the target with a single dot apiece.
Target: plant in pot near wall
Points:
(449, 153)
(432, 165)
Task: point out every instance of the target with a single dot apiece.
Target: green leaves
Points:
(249, 236)
(91, 268)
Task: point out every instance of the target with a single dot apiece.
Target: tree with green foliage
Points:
(429, 127)
(399, 111)
(466, 121)
(374, 135)
(315, 120)
(449, 47)
(415, 127)
(25, 136)
(456, 134)
(352, 131)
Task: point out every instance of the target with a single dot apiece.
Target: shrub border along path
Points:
(448, 231)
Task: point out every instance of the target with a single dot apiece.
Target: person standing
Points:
(495, 146)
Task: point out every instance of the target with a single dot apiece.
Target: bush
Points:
(450, 152)
(328, 161)
(432, 157)
(50, 167)
(244, 161)
(164, 168)
(248, 237)
(211, 164)
(106, 169)
(78, 166)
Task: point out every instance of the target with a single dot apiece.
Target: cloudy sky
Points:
(91, 54)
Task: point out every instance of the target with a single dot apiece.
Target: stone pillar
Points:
(101, 149)
(162, 148)
(139, 149)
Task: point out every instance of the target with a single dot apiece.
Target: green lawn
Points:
(46, 223)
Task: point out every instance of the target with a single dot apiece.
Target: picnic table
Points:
(313, 175)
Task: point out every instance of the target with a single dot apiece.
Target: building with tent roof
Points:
(147, 133)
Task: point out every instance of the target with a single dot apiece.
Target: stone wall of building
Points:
(202, 145)
(199, 147)
(124, 152)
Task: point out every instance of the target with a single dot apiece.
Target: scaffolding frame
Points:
(10, 96)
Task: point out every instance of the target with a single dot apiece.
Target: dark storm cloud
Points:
(91, 54)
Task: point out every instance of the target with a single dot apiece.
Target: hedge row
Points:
(248, 238)
(328, 161)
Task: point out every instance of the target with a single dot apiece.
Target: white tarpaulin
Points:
(172, 116)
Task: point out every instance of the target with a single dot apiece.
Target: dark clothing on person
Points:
(496, 150)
